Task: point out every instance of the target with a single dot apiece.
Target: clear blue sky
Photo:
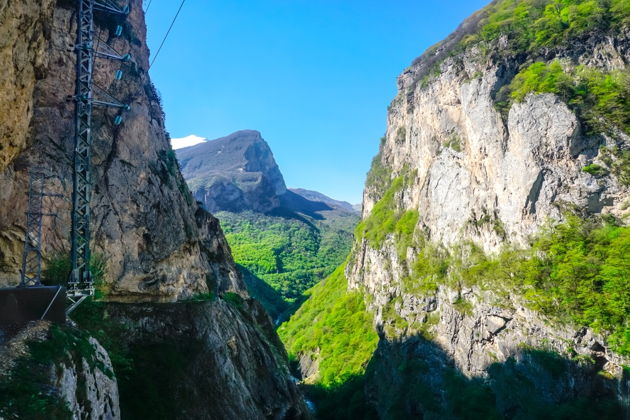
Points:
(313, 76)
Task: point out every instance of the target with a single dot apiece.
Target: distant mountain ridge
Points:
(317, 196)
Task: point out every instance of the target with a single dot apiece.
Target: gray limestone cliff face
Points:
(233, 173)
(90, 390)
(144, 219)
(520, 172)
(477, 175)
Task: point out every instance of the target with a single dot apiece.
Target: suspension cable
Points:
(167, 33)
(148, 5)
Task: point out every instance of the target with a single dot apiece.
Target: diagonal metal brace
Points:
(75, 303)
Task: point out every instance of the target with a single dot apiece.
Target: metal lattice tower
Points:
(80, 283)
(31, 272)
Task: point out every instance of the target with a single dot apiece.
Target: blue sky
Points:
(313, 76)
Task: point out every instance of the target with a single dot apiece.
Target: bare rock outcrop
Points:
(76, 380)
(24, 33)
(89, 388)
(233, 173)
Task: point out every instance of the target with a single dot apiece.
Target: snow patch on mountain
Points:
(187, 141)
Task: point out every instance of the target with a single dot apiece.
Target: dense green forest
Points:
(531, 25)
(528, 27)
(282, 257)
(335, 330)
(540, 23)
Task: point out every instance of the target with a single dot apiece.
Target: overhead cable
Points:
(167, 33)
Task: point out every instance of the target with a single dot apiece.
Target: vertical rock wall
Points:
(25, 27)
(475, 174)
(144, 220)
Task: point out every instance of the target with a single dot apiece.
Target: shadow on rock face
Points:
(208, 358)
(415, 378)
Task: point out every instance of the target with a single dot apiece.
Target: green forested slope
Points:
(532, 24)
(334, 322)
(527, 28)
(544, 22)
(290, 254)
(334, 329)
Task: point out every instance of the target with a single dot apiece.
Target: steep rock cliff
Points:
(156, 243)
(218, 359)
(24, 31)
(503, 167)
(519, 170)
(464, 170)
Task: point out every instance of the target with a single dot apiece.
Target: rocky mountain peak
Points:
(233, 173)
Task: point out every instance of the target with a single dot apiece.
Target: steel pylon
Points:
(80, 283)
(31, 272)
